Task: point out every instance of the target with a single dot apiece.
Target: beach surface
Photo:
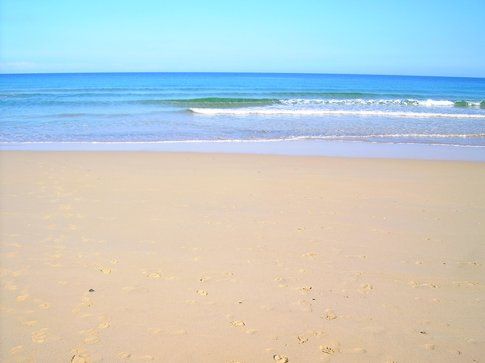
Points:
(180, 257)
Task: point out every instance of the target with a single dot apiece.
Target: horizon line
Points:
(238, 72)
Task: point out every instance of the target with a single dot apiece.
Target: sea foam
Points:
(321, 112)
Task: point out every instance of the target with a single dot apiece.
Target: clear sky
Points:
(422, 37)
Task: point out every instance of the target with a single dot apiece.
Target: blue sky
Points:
(426, 37)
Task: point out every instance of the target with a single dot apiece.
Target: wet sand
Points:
(126, 256)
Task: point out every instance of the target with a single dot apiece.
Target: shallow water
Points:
(167, 107)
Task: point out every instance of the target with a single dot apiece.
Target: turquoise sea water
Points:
(192, 107)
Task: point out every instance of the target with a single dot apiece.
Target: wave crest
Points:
(213, 102)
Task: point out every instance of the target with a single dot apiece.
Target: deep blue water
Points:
(159, 107)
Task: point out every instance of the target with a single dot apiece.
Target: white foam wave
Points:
(434, 103)
(376, 102)
(320, 112)
(370, 102)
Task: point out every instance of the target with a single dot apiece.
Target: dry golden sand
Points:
(238, 258)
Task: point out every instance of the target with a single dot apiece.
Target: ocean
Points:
(236, 107)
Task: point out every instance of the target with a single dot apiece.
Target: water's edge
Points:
(353, 149)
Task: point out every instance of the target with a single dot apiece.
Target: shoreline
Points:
(334, 148)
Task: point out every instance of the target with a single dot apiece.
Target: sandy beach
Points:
(173, 257)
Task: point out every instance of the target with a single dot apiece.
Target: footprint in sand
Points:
(202, 292)
(280, 358)
(105, 270)
(301, 339)
(281, 282)
(326, 349)
(44, 306)
(21, 298)
(157, 275)
(154, 275)
(16, 349)
(39, 336)
(124, 355)
(92, 338)
(366, 288)
(416, 284)
(330, 348)
(86, 301)
(238, 323)
(330, 315)
(104, 325)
